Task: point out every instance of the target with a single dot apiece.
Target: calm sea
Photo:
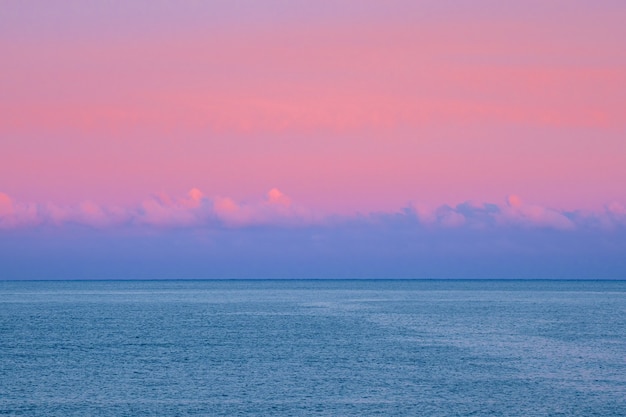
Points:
(334, 348)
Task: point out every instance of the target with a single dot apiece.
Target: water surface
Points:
(313, 348)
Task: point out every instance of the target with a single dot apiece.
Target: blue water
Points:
(335, 348)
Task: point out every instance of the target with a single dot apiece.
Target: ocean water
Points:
(328, 348)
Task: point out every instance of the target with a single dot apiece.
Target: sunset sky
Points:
(312, 138)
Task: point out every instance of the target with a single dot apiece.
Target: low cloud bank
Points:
(195, 209)
(159, 211)
(195, 236)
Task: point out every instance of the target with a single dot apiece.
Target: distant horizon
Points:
(308, 279)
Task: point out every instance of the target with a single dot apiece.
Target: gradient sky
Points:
(417, 125)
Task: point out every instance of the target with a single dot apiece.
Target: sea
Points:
(313, 348)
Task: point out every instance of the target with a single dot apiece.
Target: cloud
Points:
(423, 212)
(231, 213)
(616, 212)
(616, 209)
(164, 211)
(277, 209)
(14, 214)
(442, 216)
(274, 196)
(195, 209)
(194, 199)
(449, 217)
(513, 201)
(273, 237)
(513, 213)
(517, 212)
(160, 210)
(6, 205)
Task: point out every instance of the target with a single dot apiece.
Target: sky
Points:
(326, 139)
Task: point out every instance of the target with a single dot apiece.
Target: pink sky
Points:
(342, 110)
